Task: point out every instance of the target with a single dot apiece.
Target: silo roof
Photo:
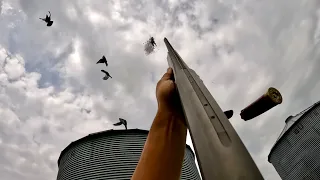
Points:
(290, 122)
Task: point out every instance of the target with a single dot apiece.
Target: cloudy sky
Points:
(52, 92)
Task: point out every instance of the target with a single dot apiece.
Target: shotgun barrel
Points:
(220, 152)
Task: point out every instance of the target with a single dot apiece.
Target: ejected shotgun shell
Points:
(261, 105)
(229, 113)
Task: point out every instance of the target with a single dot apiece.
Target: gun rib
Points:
(220, 151)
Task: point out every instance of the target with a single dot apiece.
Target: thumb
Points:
(168, 75)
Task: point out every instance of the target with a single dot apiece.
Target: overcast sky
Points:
(52, 92)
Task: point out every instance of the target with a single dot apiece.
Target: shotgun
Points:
(219, 150)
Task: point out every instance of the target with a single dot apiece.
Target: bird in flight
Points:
(122, 122)
(152, 41)
(107, 75)
(103, 60)
(229, 113)
(47, 19)
(149, 46)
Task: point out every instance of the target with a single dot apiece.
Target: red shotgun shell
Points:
(267, 101)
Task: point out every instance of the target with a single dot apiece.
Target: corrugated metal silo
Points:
(296, 153)
(111, 154)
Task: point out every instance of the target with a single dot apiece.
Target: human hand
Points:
(167, 95)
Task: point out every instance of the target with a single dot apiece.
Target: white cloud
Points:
(14, 69)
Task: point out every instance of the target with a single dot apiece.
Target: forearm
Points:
(163, 152)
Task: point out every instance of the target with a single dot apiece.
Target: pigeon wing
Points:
(124, 121)
(118, 124)
(104, 71)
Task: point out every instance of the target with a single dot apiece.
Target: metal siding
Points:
(297, 157)
(112, 157)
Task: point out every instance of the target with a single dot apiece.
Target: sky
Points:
(52, 92)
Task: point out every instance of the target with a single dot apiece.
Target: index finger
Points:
(168, 75)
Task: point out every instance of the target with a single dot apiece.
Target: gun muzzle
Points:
(267, 101)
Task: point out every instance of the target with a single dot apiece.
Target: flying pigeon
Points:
(122, 122)
(152, 41)
(47, 19)
(107, 75)
(229, 113)
(149, 46)
(103, 60)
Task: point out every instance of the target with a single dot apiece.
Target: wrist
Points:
(167, 109)
(171, 113)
